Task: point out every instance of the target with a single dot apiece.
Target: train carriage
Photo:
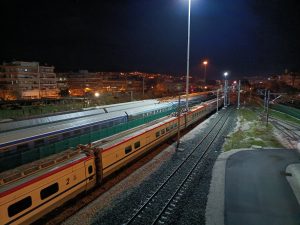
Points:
(120, 152)
(25, 200)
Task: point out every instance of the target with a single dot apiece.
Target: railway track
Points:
(289, 130)
(161, 203)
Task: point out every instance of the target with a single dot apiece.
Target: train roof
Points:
(13, 180)
(26, 134)
(13, 125)
(145, 109)
(112, 141)
(17, 136)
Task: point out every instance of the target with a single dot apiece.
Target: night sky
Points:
(245, 37)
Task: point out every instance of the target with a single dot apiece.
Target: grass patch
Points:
(251, 131)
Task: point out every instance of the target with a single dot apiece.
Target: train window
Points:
(52, 139)
(157, 134)
(76, 132)
(48, 191)
(96, 127)
(38, 143)
(90, 169)
(168, 129)
(162, 131)
(19, 206)
(137, 144)
(128, 149)
(104, 125)
(22, 147)
(175, 125)
(66, 135)
(86, 130)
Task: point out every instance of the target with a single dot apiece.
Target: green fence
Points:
(286, 109)
(31, 155)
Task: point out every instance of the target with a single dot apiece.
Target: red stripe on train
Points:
(7, 192)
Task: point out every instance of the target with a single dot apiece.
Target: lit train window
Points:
(128, 149)
(48, 191)
(157, 134)
(19, 206)
(137, 144)
(90, 169)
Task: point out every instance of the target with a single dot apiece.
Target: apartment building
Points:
(84, 81)
(27, 80)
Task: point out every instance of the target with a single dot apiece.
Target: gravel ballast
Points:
(116, 205)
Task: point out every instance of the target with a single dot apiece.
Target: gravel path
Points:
(118, 203)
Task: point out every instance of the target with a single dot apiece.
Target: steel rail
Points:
(189, 174)
(138, 212)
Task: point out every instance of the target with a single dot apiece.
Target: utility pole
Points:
(239, 94)
(178, 126)
(217, 100)
(228, 93)
(143, 87)
(39, 77)
(265, 100)
(225, 94)
(268, 101)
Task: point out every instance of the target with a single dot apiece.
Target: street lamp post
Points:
(225, 89)
(217, 100)
(205, 64)
(188, 57)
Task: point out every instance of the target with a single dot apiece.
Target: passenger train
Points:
(21, 136)
(21, 140)
(29, 192)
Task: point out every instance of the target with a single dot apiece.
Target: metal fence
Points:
(286, 109)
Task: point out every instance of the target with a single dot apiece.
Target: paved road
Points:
(257, 191)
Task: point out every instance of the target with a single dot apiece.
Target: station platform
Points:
(258, 187)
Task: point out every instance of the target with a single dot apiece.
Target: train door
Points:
(148, 139)
(90, 174)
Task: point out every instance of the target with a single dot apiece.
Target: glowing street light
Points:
(205, 64)
(188, 57)
(97, 94)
